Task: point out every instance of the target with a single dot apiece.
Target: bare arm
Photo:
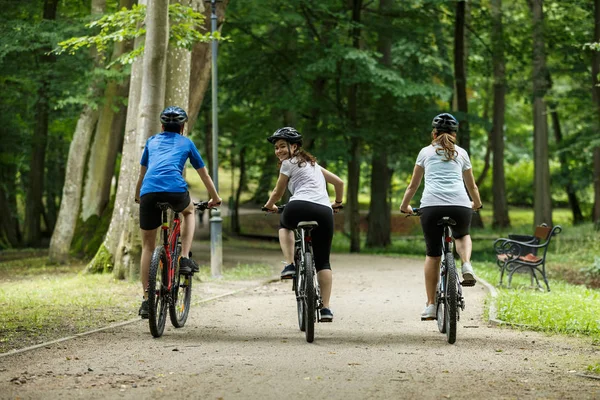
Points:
(215, 200)
(278, 192)
(415, 182)
(337, 183)
(472, 188)
(138, 186)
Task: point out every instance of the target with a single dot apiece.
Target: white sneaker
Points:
(468, 275)
(429, 313)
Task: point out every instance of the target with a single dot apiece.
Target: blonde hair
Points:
(444, 143)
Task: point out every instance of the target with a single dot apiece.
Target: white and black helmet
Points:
(173, 115)
(289, 134)
(445, 123)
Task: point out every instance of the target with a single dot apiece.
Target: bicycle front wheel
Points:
(181, 295)
(157, 292)
(310, 297)
(451, 297)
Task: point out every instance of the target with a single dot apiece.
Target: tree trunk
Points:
(201, 63)
(68, 213)
(35, 177)
(353, 212)
(596, 96)
(379, 227)
(542, 196)
(108, 139)
(501, 218)
(8, 224)
(177, 86)
(114, 242)
(151, 104)
(241, 184)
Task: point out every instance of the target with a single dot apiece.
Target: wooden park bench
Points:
(525, 252)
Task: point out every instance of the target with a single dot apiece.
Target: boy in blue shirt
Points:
(161, 180)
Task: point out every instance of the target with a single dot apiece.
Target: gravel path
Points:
(247, 345)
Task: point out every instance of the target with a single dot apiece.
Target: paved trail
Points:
(248, 346)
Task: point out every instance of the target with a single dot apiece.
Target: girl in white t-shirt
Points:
(307, 182)
(447, 170)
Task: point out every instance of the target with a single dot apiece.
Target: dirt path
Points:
(248, 345)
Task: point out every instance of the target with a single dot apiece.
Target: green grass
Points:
(566, 309)
(238, 273)
(41, 302)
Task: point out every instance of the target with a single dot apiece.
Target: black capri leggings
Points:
(433, 232)
(297, 211)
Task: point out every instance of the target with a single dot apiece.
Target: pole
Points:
(216, 237)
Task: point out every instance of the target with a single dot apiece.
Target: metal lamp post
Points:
(216, 222)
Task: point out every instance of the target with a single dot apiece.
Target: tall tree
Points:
(542, 204)
(500, 203)
(151, 102)
(35, 178)
(78, 150)
(353, 212)
(596, 96)
(379, 232)
(108, 137)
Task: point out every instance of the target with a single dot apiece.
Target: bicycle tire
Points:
(310, 297)
(299, 291)
(451, 298)
(181, 295)
(157, 295)
(440, 306)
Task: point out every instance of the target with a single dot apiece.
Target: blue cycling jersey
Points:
(165, 155)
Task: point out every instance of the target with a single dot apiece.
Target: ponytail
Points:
(444, 143)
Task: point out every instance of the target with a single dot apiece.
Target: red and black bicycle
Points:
(167, 289)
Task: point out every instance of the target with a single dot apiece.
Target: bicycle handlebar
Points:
(202, 205)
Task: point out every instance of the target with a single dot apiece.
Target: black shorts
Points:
(433, 232)
(300, 210)
(151, 216)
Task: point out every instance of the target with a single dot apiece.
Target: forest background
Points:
(83, 82)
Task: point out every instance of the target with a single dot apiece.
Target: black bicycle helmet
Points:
(173, 115)
(445, 123)
(288, 134)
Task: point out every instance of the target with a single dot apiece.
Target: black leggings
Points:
(433, 232)
(297, 211)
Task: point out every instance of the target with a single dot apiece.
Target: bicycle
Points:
(449, 298)
(305, 284)
(166, 287)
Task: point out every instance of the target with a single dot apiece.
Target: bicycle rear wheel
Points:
(157, 293)
(181, 295)
(299, 291)
(310, 297)
(441, 307)
(451, 297)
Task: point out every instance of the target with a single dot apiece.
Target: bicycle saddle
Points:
(307, 224)
(164, 205)
(446, 221)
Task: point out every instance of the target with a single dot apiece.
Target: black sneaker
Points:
(144, 311)
(326, 315)
(187, 266)
(288, 272)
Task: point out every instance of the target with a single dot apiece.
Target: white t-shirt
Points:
(443, 179)
(305, 183)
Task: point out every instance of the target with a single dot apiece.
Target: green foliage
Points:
(124, 25)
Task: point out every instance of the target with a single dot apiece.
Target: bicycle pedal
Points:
(428, 318)
(468, 283)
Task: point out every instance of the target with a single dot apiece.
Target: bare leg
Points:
(187, 229)
(432, 273)
(464, 246)
(325, 278)
(286, 241)
(148, 245)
